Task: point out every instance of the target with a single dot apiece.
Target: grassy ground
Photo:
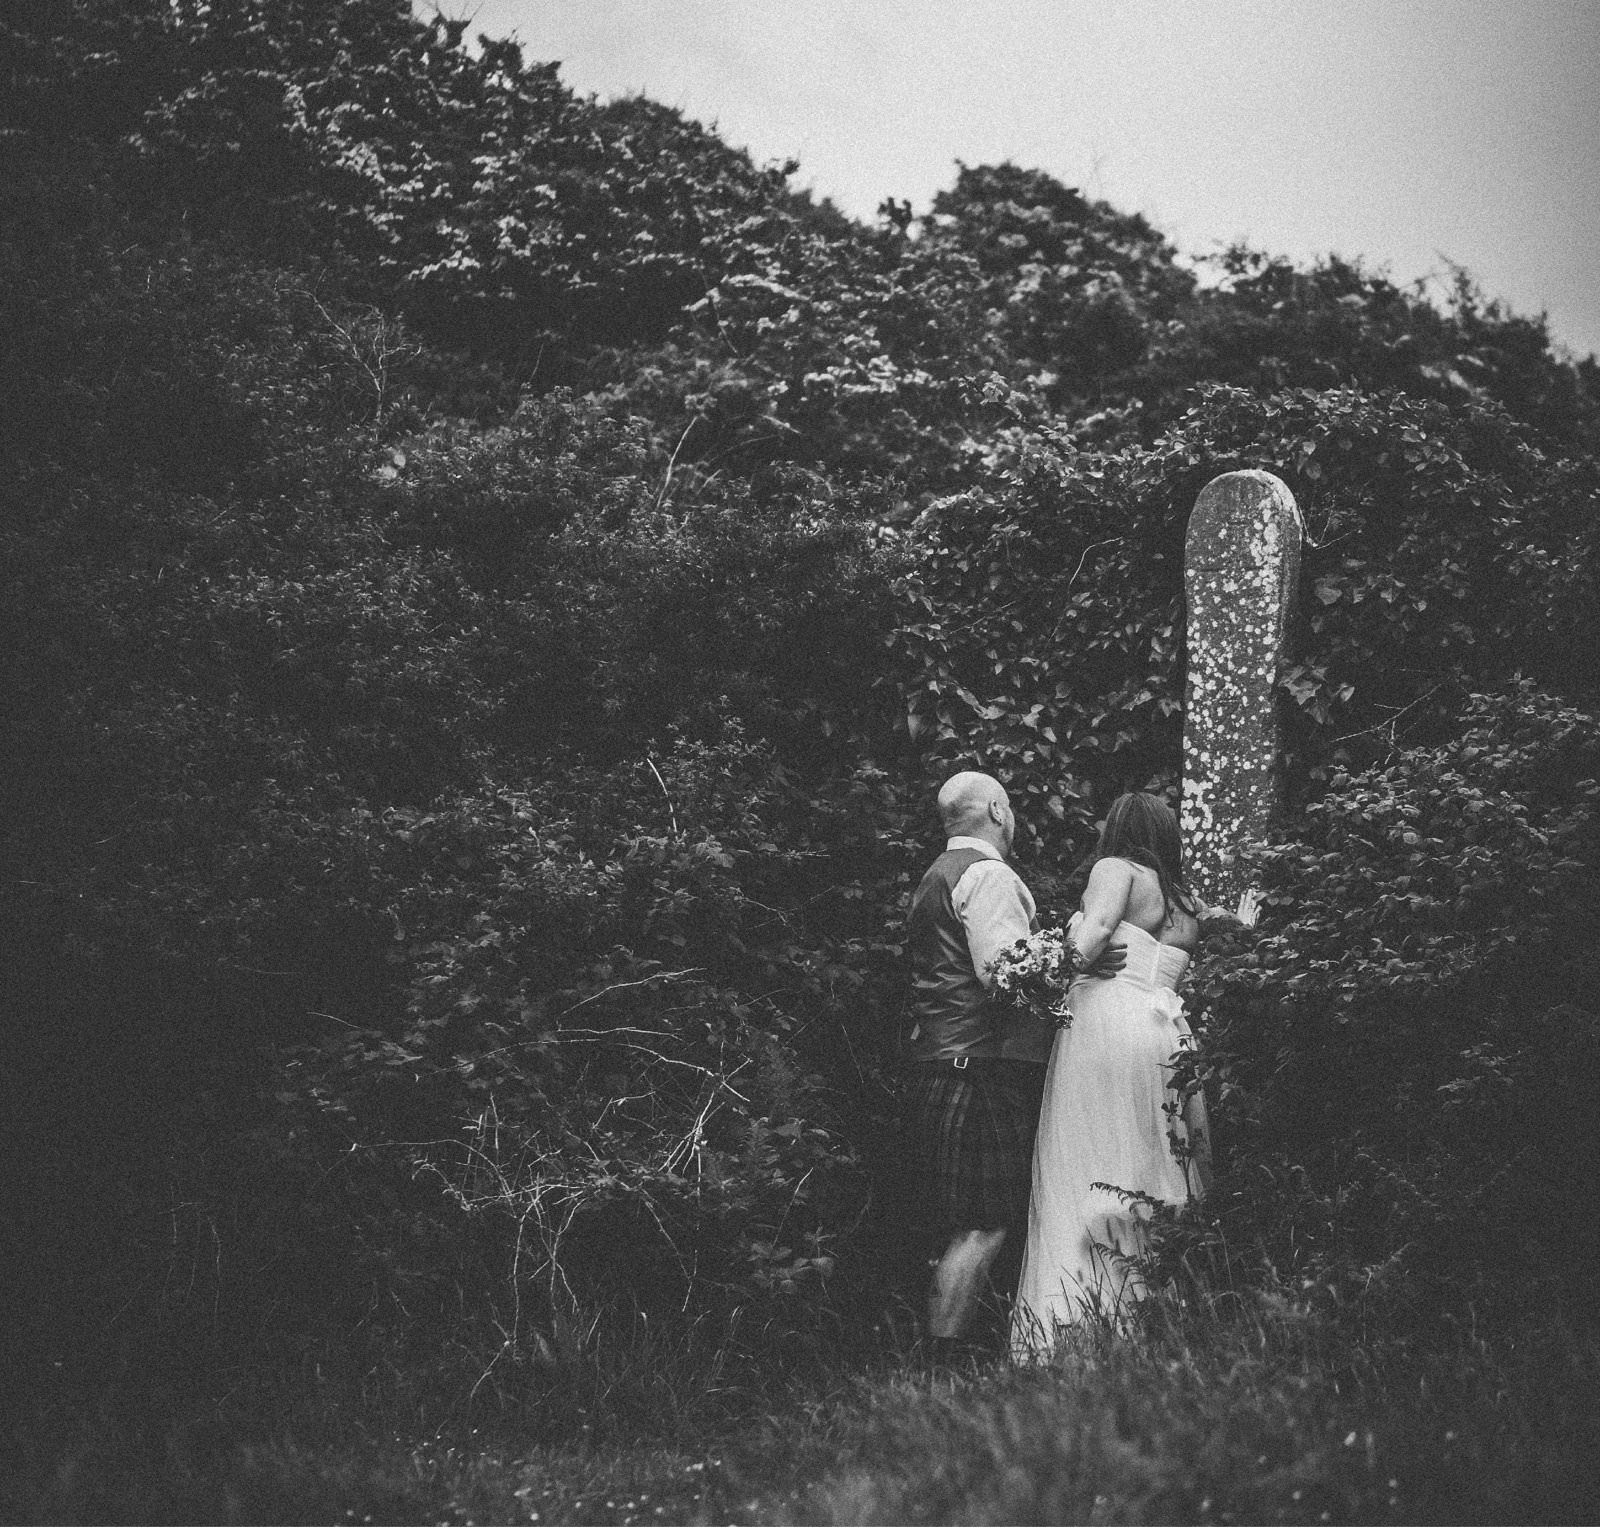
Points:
(1260, 1418)
(1254, 1424)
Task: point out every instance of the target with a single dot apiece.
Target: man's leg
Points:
(959, 1278)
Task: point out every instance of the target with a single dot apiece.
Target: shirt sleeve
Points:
(995, 908)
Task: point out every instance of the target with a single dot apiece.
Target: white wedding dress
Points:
(1104, 1121)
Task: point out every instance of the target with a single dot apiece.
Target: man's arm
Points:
(995, 908)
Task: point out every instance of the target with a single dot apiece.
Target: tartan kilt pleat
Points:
(971, 1134)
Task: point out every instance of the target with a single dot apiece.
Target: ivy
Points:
(492, 581)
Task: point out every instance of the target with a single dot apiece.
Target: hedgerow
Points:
(1402, 1049)
(491, 583)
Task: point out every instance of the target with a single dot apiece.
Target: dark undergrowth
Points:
(1257, 1412)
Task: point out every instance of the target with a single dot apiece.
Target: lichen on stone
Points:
(1241, 568)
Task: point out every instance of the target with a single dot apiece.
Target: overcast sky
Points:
(1410, 133)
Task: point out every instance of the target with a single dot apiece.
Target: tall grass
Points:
(1257, 1410)
(1268, 1414)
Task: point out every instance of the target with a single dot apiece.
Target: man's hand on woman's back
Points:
(1108, 962)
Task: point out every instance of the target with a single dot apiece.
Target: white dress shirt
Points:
(994, 906)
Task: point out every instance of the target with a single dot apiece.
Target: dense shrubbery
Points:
(490, 583)
(1403, 1049)
(1044, 632)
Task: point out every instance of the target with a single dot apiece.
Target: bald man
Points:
(977, 1069)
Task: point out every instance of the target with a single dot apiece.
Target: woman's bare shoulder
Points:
(1106, 895)
(1112, 871)
(1114, 864)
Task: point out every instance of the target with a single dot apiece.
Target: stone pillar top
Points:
(1237, 514)
(1244, 524)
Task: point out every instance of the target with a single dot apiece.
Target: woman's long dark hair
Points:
(1143, 828)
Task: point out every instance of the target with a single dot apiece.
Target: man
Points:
(978, 1069)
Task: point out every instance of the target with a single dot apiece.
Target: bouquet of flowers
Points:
(1034, 974)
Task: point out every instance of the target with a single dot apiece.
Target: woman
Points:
(1108, 1115)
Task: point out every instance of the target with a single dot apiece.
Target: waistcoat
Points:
(951, 1006)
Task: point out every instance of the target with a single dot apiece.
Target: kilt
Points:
(971, 1134)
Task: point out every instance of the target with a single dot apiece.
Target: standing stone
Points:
(1241, 576)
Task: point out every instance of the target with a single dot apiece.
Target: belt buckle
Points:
(960, 1062)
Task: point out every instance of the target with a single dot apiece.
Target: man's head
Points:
(973, 805)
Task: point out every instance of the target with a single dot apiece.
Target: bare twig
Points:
(987, 615)
(594, 996)
(605, 991)
(312, 1012)
(671, 809)
(1092, 546)
(373, 353)
(1389, 724)
(672, 461)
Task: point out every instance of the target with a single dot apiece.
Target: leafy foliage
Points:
(1404, 1047)
(490, 581)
